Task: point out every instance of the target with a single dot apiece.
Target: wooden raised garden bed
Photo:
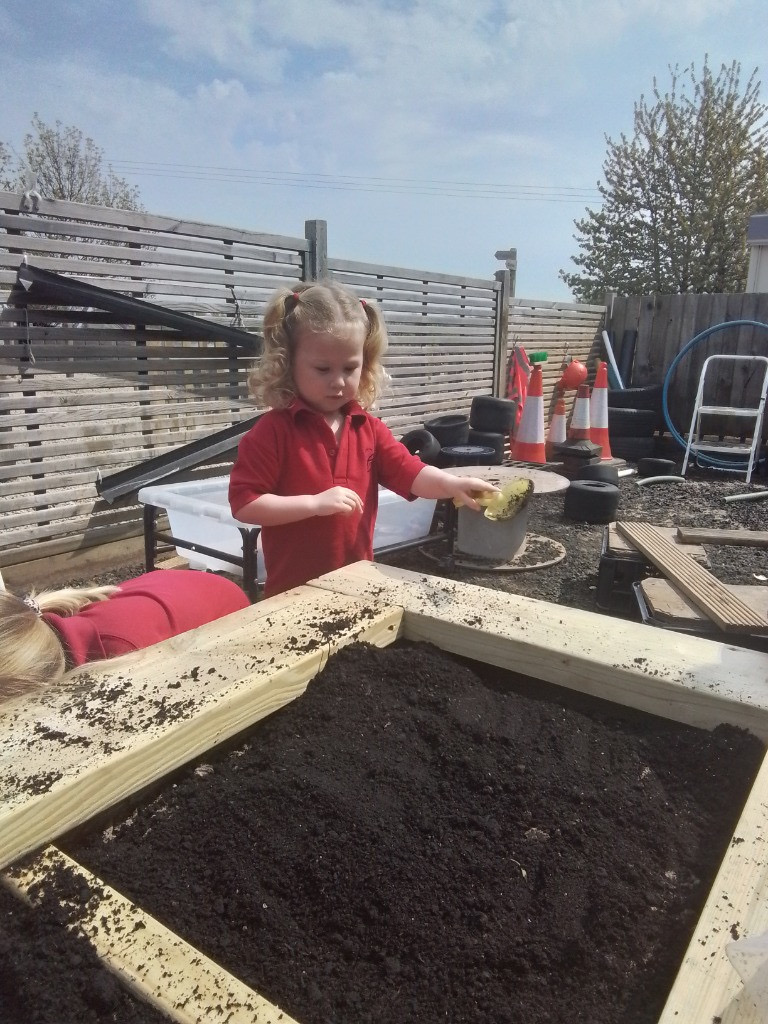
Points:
(68, 755)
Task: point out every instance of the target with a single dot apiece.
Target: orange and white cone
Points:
(529, 443)
(598, 412)
(579, 429)
(557, 427)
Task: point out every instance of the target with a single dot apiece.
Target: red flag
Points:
(520, 368)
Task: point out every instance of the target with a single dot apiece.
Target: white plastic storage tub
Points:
(199, 512)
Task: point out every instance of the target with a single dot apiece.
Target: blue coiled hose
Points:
(708, 459)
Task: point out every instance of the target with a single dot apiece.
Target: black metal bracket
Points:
(448, 561)
(248, 562)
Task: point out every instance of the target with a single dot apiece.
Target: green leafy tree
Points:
(678, 195)
(6, 168)
(65, 164)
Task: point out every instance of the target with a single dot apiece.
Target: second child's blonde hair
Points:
(31, 652)
(323, 308)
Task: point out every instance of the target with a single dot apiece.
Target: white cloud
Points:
(493, 91)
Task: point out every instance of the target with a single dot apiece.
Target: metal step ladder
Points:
(695, 445)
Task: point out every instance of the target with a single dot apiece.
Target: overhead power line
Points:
(355, 183)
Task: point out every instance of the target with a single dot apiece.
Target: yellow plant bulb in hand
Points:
(504, 503)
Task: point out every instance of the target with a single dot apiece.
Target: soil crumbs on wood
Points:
(419, 838)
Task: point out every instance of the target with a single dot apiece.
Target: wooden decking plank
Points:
(173, 562)
(699, 535)
(155, 963)
(668, 604)
(707, 592)
(707, 987)
(619, 545)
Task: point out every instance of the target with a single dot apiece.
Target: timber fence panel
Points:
(645, 369)
(82, 396)
(441, 338)
(562, 330)
(667, 323)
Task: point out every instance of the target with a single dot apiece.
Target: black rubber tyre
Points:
(493, 415)
(423, 444)
(599, 471)
(465, 455)
(489, 440)
(631, 422)
(655, 467)
(636, 398)
(632, 448)
(591, 501)
(449, 430)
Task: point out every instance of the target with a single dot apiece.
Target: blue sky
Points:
(428, 134)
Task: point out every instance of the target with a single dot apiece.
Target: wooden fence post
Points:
(501, 331)
(316, 257)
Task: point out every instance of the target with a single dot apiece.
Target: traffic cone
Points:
(529, 444)
(579, 429)
(598, 412)
(557, 428)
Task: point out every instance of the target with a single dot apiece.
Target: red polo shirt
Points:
(293, 451)
(144, 611)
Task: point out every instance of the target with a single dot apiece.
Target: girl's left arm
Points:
(432, 482)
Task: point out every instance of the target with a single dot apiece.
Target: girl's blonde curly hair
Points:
(322, 307)
(31, 652)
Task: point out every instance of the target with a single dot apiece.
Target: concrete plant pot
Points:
(498, 540)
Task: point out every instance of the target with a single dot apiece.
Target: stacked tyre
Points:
(424, 444)
(634, 416)
(491, 421)
(450, 431)
(465, 455)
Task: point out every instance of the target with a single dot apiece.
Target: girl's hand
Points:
(468, 488)
(338, 501)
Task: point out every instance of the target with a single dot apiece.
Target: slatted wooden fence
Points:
(561, 329)
(83, 397)
(444, 338)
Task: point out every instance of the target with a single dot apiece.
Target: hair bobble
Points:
(32, 604)
(295, 295)
(363, 303)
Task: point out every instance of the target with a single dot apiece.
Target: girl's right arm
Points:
(279, 509)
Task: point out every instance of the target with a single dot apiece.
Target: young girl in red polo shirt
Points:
(309, 470)
(45, 634)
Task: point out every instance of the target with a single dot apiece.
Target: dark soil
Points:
(51, 976)
(470, 853)
(413, 840)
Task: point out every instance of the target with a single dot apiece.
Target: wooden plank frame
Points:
(230, 673)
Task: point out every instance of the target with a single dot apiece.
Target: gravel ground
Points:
(699, 501)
